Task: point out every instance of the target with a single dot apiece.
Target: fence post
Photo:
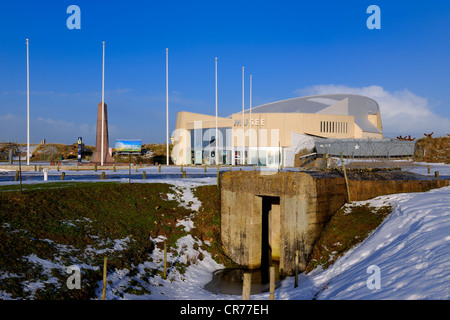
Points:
(165, 261)
(218, 176)
(246, 286)
(129, 168)
(144, 175)
(63, 175)
(114, 168)
(429, 168)
(20, 174)
(272, 283)
(436, 174)
(159, 168)
(184, 174)
(296, 269)
(104, 279)
(103, 175)
(346, 180)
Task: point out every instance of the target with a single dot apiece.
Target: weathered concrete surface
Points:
(306, 204)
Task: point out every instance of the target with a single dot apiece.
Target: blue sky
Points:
(291, 48)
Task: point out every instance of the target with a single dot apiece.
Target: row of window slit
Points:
(333, 127)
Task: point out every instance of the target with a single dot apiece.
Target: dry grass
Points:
(435, 150)
(79, 224)
(346, 228)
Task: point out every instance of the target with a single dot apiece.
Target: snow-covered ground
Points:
(411, 250)
(408, 255)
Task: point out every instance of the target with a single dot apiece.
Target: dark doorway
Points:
(266, 245)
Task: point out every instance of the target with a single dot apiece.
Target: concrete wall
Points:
(306, 204)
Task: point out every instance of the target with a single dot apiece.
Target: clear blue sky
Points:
(290, 48)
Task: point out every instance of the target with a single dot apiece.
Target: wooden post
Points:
(95, 167)
(272, 283)
(184, 174)
(129, 168)
(63, 175)
(218, 177)
(346, 180)
(104, 279)
(135, 168)
(159, 168)
(436, 174)
(165, 261)
(144, 175)
(181, 168)
(429, 168)
(20, 173)
(246, 286)
(205, 168)
(16, 178)
(296, 269)
(76, 168)
(35, 167)
(103, 175)
(114, 167)
(57, 167)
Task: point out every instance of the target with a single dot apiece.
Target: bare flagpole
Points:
(243, 129)
(103, 104)
(167, 106)
(250, 124)
(217, 137)
(28, 106)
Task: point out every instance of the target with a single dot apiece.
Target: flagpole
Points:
(243, 129)
(217, 137)
(103, 105)
(28, 105)
(250, 126)
(167, 106)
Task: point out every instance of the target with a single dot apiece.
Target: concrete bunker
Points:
(267, 217)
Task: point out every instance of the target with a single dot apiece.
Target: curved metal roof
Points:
(339, 104)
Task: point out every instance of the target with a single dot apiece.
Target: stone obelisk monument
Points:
(107, 159)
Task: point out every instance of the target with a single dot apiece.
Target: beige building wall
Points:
(187, 121)
(278, 127)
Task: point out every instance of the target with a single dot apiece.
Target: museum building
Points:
(273, 133)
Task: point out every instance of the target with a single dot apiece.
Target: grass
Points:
(207, 223)
(80, 223)
(49, 185)
(348, 227)
(433, 150)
